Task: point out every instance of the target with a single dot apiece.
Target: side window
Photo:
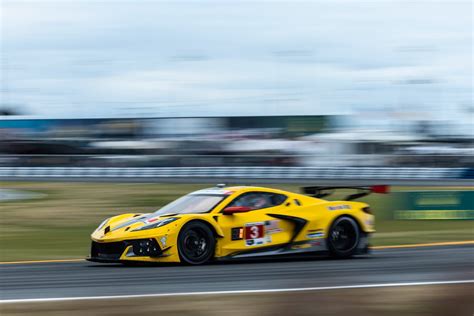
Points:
(278, 199)
(259, 200)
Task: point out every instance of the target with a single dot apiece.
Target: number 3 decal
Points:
(254, 231)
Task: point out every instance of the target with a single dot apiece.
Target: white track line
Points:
(323, 288)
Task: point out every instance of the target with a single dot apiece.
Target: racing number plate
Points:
(255, 234)
(254, 231)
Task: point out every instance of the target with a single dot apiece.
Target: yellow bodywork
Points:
(318, 213)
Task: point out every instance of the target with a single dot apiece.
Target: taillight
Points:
(367, 210)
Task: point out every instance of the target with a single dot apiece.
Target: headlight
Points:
(157, 224)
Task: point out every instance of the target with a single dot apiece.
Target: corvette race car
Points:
(238, 222)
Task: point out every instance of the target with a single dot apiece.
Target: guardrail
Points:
(248, 175)
(237, 160)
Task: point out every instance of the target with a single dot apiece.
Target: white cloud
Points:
(233, 56)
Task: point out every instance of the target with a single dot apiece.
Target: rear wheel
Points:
(344, 237)
(196, 243)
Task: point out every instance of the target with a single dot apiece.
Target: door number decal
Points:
(255, 234)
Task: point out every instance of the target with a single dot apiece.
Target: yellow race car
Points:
(238, 222)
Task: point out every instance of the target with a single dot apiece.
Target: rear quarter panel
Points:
(320, 216)
(331, 210)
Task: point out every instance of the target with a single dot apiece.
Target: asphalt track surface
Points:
(76, 279)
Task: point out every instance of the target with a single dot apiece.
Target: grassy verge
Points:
(59, 224)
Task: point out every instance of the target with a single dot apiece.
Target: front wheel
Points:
(344, 237)
(196, 243)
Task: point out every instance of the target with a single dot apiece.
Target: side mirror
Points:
(236, 209)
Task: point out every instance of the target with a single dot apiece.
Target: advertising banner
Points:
(434, 205)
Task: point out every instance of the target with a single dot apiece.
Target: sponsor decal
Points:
(339, 207)
(302, 246)
(315, 243)
(315, 235)
(308, 244)
(272, 227)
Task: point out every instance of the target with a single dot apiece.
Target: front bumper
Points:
(125, 250)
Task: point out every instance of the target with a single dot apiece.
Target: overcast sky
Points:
(73, 58)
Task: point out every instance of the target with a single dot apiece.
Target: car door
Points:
(254, 228)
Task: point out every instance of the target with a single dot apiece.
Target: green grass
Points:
(59, 225)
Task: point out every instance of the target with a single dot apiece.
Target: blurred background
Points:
(152, 83)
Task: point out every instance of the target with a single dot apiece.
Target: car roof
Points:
(237, 189)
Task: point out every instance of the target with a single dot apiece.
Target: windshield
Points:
(192, 203)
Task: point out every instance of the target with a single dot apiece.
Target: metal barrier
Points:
(254, 175)
(231, 160)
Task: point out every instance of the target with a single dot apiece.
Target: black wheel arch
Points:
(211, 227)
(359, 225)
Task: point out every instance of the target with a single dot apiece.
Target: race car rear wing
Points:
(320, 192)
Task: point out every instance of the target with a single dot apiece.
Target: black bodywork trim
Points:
(113, 251)
(102, 260)
(108, 250)
(298, 221)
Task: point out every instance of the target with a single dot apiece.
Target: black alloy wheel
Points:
(344, 237)
(196, 243)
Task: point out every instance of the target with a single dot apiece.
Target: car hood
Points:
(125, 226)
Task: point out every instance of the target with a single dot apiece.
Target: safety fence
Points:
(254, 175)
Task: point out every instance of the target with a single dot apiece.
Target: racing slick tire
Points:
(196, 243)
(344, 237)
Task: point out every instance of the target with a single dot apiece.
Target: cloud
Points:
(299, 57)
